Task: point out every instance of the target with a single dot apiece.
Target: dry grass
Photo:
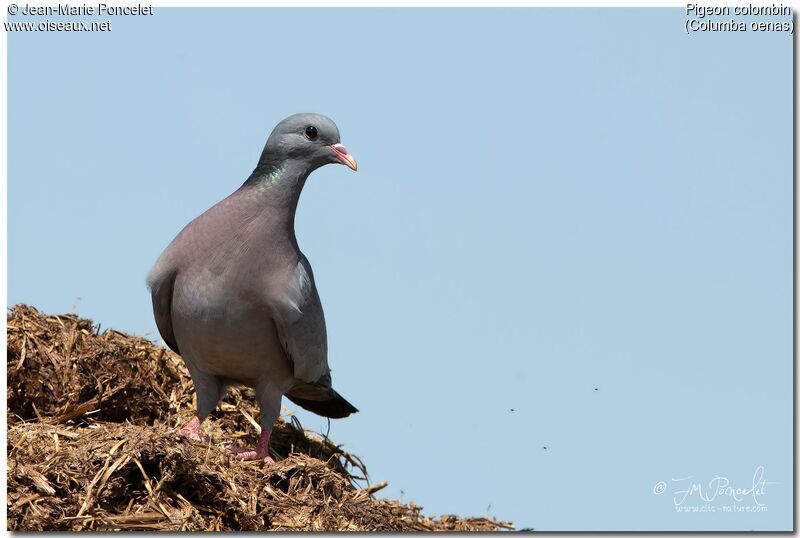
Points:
(91, 446)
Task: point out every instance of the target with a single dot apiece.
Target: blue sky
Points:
(569, 229)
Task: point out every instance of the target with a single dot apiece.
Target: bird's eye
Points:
(311, 132)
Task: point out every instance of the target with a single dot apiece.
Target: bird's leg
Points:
(260, 453)
(269, 400)
(208, 389)
(192, 428)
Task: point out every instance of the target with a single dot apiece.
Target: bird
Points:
(235, 297)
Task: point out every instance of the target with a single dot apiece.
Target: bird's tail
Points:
(321, 400)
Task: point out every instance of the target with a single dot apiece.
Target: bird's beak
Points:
(344, 157)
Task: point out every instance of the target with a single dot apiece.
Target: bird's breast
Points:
(225, 328)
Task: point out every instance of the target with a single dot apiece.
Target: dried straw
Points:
(91, 446)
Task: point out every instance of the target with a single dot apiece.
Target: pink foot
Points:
(260, 453)
(192, 428)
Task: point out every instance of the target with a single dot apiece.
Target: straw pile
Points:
(91, 446)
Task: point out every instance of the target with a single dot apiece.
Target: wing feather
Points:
(161, 284)
(300, 323)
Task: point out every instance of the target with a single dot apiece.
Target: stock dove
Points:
(235, 297)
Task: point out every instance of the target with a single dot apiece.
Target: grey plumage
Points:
(235, 297)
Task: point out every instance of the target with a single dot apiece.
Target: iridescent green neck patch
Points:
(273, 177)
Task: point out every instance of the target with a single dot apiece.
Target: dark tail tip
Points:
(336, 407)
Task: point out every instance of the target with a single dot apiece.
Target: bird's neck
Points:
(275, 189)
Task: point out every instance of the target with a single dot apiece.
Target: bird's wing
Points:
(161, 281)
(300, 323)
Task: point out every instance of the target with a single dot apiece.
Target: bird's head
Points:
(311, 139)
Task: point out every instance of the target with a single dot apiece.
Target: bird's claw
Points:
(245, 454)
(192, 429)
(252, 455)
(194, 436)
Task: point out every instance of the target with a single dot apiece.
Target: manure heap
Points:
(92, 446)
